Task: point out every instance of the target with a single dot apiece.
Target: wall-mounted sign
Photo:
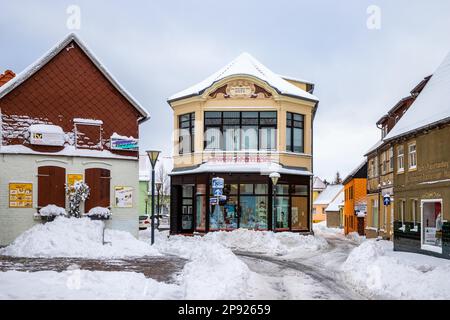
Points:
(240, 91)
(218, 183)
(46, 135)
(125, 144)
(123, 197)
(387, 200)
(20, 195)
(72, 178)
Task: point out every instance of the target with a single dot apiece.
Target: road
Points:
(314, 276)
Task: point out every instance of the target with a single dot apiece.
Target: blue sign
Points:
(218, 183)
(387, 200)
(213, 201)
(217, 192)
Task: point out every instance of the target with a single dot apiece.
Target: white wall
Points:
(23, 168)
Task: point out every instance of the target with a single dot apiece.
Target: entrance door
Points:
(431, 233)
(187, 209)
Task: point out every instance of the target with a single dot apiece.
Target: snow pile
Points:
(355, 236)
(52, 211)
(375, 269)
(99, 212)
(84, 285)
(267, 242)
(321, 228)
(72, 237)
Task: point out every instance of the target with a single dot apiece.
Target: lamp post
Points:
(153, 156)
(274, 176)
(158, 206)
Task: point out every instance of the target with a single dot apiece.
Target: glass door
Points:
(432, 225)
(187, 208)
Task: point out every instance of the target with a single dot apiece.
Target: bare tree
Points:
(162, 176)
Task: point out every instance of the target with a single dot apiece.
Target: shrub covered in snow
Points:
(77, 193)
(70, 237)
(52, 211)
(99, 213)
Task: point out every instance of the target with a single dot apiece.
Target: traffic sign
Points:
(213, 201)
(217, 192)
(387, 200)
(218, 183)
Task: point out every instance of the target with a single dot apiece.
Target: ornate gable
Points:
(239, 89)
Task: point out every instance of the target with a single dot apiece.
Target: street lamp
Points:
(153, 156)
(274, 176)
(158, 206)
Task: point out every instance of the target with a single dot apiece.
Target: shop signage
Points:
(72, 178)
(126, 144)
(239, 159)
(218, 183)
(20, 195)
(123, 197)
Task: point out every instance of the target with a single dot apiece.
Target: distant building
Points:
(318, 187)
(422, 170)
(335, 211)
(144, 185)
(355, 197)
(323, 201)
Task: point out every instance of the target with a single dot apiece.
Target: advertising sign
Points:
(123, 197)
(73, 177)
(20, 195)
(125, 144)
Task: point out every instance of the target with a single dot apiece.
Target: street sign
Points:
(223, 198)
(218, 183)
(213, 201)
(217, 192)
(387, 200)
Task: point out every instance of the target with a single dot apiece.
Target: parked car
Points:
(144, 222)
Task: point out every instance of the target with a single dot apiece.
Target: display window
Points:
(432, 225)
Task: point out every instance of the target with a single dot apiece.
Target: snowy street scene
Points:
(224, 159)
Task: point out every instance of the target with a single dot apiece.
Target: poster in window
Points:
(123, 197)
(72, 178)
(20, 195)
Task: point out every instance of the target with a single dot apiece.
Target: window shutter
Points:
(51, 186)
(99, 182)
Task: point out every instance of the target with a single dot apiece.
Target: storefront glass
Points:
(281, 213)
(253, 212)
(201, 208)
(187, 218)
(299, 214)
(432, 225)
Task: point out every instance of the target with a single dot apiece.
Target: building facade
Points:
(355, 200)
(318, 187)
(322, 202)
(380, 173)
(66, 119)
(242, 124)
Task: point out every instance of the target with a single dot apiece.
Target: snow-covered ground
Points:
(224, 265)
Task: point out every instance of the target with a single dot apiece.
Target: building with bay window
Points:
(66, 119)
(241, 124)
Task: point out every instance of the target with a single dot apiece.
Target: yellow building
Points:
(318, 187)
(242, 124)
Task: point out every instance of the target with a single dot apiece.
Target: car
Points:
(144, 222)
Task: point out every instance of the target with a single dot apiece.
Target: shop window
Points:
(281, 216)
(295, 132)
(412, 156)
(299, 215)
(187, 205)
(89, 136)
(432, 225)
(236, 130)
(51, 186)
(186, 133)
(99, 182)
(402, 209)
(375, 212)
(400, 159)
(201, 208)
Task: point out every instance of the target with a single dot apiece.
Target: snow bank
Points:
(71, 237)
(52, 211)
(99, 212)
(375, 269)
(267, 242)
(83, 285)
(321, 228)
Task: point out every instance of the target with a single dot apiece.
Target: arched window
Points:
(99, 181)
(51, 186)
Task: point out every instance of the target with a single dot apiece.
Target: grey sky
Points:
(156, 48)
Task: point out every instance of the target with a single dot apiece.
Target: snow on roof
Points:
(329, 194)
(374, 147)
(45, 128)
(431, 106)
(38, 64)
(263, 168)
(336, 203)
(355, 171)
(245, 64)
(87, 121)
(296, 79)
(318, 184)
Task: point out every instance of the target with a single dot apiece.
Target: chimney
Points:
(6, 76)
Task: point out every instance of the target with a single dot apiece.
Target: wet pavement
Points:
(159, 268)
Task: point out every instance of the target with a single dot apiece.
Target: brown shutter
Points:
(99, 182)
(51, 186)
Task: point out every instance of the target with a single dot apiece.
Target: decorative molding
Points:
(239, 89)
(54, 160)
(85, 163)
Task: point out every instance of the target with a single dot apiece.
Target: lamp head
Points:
(274, 176)
(153, 156)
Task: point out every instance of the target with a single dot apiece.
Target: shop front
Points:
(249, 201)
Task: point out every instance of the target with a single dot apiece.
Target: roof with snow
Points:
(246, 65)
(431, 107)
(41, 62)
(337, 203)
(359, 172)
(329, 194)
(318, 184)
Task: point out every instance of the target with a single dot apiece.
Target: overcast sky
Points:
(157, 48)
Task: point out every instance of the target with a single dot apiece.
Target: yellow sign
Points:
(72, 178)
(21, 195)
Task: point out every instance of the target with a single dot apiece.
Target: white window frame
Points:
(410, 154)
(402, 209)
(426, 246)
(401, 159)
(391, 159)
(376, 204)
(414, 203)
